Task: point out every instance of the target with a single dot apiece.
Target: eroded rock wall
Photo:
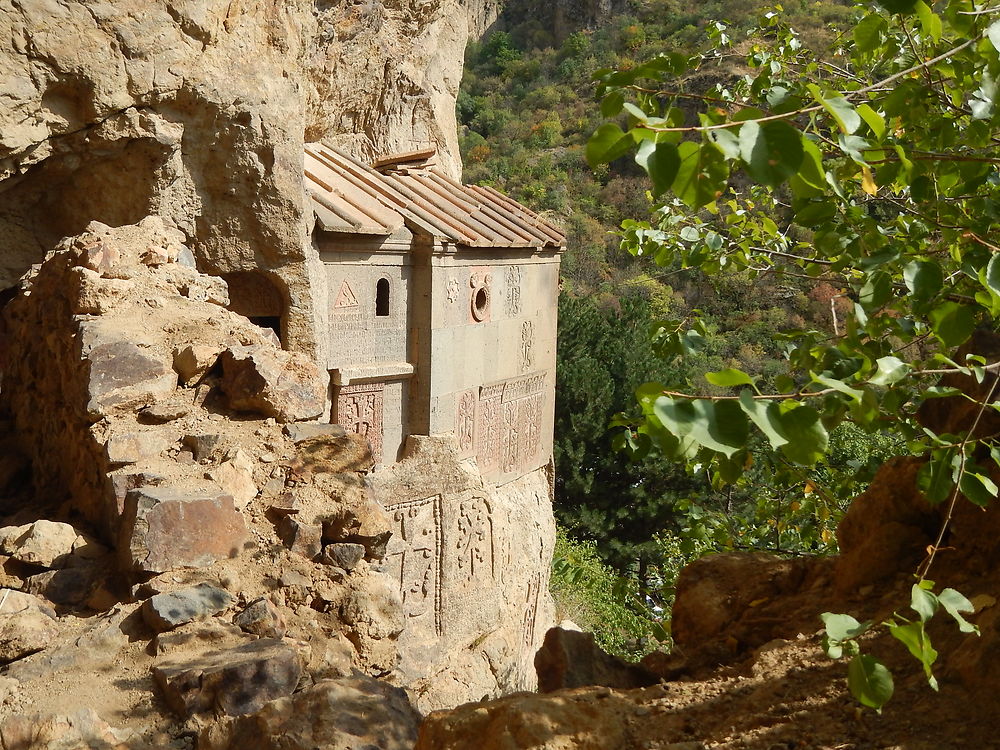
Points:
(197, 111)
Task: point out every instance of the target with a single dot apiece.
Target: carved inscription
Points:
(527, 345)
(531, 609)
(346, 297)
(512, 282)
(510, 424)
(413, 557)
(359, 409)
(476, 555)
(465, 421)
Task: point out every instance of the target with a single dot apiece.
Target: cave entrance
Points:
(255, 295)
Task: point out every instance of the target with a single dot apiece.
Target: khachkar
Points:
(470, 560)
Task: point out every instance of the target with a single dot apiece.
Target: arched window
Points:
(382, 298)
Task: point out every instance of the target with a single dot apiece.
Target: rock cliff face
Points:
(197, 110)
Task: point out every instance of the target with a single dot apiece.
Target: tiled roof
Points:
(349, 196)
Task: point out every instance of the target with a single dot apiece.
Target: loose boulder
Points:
(164, 528)
(272, 382)
(169, 610)
(236, 681)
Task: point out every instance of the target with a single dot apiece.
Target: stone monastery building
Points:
(441, 309)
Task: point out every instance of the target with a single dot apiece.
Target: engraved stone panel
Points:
(465, 421)
(527, 345)
(346, 297)
(359, 408)
(531, 609)
(454, 288)
(510, 424)
(413, 558)
(475, 544)
(512, 282)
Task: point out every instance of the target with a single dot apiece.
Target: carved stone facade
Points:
(510, 424)
(471, 564)
(413, 558)
(360, 409)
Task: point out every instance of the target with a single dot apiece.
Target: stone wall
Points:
(471, 563)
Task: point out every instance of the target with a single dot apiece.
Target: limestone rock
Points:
(261, 618)
(83, 730)
(275, 383)
(193, 360)
(123, 375)
(164, 529)
(132, 447)
(167, 611)
(235, 477)
(24, 632)
(45, 543)
(343, 555)
(570, 658)
(235, 681)
(69, 586)
(302, 538)
(366, 524)
(583, 719)
(344, 714)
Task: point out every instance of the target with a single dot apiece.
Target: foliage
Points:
(869, 681)
(602, 355)
(593, 596)
(874, 173)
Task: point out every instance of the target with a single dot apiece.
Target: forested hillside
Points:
(526, 110)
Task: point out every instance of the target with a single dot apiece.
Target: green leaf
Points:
(720, 426)
(915, 638)
(839, 108)
(874, 120)
(811, 169)
(838, 385)
(954, 604)
(890, 370)
(726, 378)
(923, 278)
(877, 289)
(807, 437)
(607, 144)
(990, 275)
(953, 322)
(840, 627)
(977, 488)
(612, 104)
(766, 415)
(772, 151)
(868, 32)
(929, 20)
(935, 477)
(727, 142)
(869, 681)
(923, 602)
(702, 174)
(661, 161)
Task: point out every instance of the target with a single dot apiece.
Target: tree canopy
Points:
(874, 171)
